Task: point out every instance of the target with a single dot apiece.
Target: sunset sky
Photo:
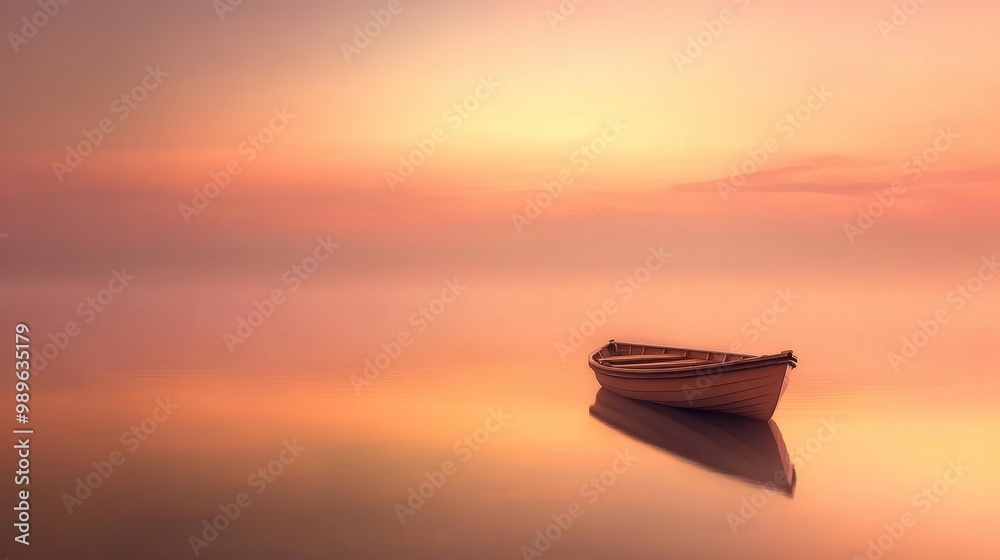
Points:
(895, 84)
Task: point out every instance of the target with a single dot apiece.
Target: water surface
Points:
(500, 438)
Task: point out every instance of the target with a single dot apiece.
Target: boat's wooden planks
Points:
(674, 376)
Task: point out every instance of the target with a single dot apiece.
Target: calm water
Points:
(478, 439)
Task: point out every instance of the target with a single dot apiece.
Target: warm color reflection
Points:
(365, 452)
(747, 449)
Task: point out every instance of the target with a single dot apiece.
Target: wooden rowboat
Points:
(688, 378)
(742, 448)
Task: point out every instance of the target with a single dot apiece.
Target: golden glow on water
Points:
(365, 452)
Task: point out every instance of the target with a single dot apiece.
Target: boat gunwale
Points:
(708, 368)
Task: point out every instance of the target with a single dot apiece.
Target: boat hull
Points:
(686, 378)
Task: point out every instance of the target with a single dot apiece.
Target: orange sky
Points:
(685, 128)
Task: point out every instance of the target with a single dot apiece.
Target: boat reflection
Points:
(743, 448)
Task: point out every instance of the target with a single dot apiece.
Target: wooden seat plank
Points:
(641, 358)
